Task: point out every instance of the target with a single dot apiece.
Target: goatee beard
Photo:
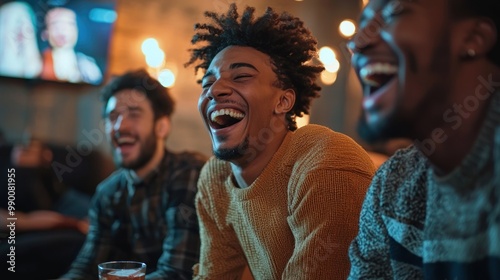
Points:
(386, 129)
(234, 153)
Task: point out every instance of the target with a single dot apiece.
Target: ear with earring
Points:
(469, 54)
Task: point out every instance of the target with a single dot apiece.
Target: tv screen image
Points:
(56, 40)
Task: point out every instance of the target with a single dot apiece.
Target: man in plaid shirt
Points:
(145, 210)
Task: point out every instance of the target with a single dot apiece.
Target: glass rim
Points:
(104, 265)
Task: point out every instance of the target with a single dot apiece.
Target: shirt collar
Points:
(135, 181)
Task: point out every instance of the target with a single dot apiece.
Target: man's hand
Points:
(46, 220)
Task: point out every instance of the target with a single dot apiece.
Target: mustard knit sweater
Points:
(295, 221)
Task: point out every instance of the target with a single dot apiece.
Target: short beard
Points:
(389, 128)
(148, 149)
(237, 152)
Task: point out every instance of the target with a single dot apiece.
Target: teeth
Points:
(376, 69)
(125, 140)
(228, 112)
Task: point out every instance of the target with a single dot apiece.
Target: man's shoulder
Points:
(399, 188)
(216, 166)
(112, 183)
(316, 144)
(406, 160)
(187, 159)
(314, 131)
(215, 171)
(322, 136)
(404, 172)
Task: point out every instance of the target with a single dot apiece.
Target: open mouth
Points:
(125, 141)
(225, 118)
(377, 75)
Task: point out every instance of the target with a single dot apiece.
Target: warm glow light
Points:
(149, 45)
(327, 55)
(302, 121)
(328, 78)
(329, 59)
(172, 66)
(347, 28)
(155, 58)
(199, 75)
(364, 2)
(332, 67)
(166, 78)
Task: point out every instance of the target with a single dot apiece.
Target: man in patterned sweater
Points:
(430, 72)
(282, 200)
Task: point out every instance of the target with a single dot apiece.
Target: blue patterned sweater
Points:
(415, 224)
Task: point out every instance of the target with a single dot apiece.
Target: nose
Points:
(368, 36)
(120, 123)
(218, 89)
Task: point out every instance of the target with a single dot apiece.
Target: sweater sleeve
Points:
(369, 252)
(324, 212)
(221, 256)
(397, 181)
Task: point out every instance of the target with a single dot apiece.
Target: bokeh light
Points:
(328, 78)
(155, 59)
(327, 55)
(347, 28)
(166, 78)
(149, 45)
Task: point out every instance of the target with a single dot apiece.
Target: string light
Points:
(329, 59)
(347, 28)
(155, 59)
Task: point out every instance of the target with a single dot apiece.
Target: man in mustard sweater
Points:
(282, 200)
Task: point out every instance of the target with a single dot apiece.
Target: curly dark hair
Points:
(281, 36)
(159, 97)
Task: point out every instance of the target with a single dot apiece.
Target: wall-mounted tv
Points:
(56, 40)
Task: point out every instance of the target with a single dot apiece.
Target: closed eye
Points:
(392, 10)
(112, 117)
(242, 77)
(206, 84)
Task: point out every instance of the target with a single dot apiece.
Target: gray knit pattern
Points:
(415, 224)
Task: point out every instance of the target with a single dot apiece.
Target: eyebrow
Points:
(242, 64)
(232, 66)
(128, 108)
(135, 108)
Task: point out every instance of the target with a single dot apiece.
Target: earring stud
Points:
(471, 53)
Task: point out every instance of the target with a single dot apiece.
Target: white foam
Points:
(126, 272)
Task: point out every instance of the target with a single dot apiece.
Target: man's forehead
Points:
(375, 6)
(131, 95)
(242, 61)
(378, 4)
(236, 55)
(60, 15)
(127, 98)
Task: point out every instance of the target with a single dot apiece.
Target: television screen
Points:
(56, 40)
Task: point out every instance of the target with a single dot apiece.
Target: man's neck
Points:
(152, 163)
(246, 171)
(447, 151)
(448, 144)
